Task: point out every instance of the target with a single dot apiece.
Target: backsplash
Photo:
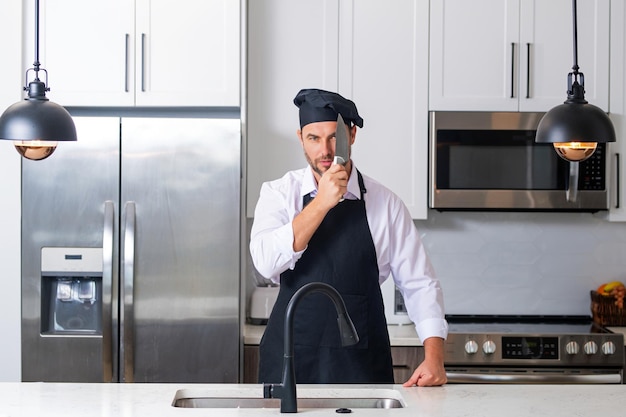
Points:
(523, 263)
(517, 263)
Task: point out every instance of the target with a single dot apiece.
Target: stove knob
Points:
(608, 348)
(571, 348)
(590, 348)
(489, 347)
(471, 347)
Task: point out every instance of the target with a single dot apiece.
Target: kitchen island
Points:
(134, 400)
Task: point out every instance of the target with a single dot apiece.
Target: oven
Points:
(532, 350)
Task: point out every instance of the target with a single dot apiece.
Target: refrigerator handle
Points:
(126, 296)
(109, 305)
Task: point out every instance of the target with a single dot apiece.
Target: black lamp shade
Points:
(575, 122)
(36, 119)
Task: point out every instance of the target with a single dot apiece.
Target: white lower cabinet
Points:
(405, 360)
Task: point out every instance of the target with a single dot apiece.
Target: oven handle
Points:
(547, 378)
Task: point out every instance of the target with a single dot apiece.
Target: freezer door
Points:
(179, 233)
(68, 310)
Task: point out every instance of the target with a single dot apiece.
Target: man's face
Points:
(318, 142)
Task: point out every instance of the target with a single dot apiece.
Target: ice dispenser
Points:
(71, 291)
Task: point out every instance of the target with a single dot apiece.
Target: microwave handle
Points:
(512, 69)
(528, 70)
(572, 187)
(617, 178)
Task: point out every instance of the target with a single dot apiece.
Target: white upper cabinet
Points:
(514, 55)
(142, 52)
(87, 48)
(374, 54)
(291, 45)
(187, 52)
(383, 68)
(617, 150)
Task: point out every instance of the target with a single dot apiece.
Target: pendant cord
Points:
(36, 64)
(575, 26)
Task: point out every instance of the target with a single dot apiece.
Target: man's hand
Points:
(332, 186)
(330, 189)
(431, 371)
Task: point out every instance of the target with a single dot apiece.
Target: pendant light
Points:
(575, 127)
(36, 123)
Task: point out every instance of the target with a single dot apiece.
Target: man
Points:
(329, 223)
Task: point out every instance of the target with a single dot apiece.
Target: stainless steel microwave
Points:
(490, 161)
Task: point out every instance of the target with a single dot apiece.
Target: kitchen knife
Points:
(341, 144)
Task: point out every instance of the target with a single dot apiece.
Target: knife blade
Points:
(341, 142)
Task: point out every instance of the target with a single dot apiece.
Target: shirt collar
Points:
(309, 185)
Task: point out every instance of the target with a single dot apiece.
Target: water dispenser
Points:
(71, 291)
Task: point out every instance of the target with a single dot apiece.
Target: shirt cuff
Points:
(286, 237)
(432, 328)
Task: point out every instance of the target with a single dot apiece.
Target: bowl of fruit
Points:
(607, 304)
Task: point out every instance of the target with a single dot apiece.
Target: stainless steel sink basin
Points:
(186, 399)
(217, 402)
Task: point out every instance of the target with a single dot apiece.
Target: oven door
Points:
(497, 375)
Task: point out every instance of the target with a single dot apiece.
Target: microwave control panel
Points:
(591, 171)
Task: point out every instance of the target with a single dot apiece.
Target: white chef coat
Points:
(399, 249)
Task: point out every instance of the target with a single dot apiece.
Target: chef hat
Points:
(323, 106)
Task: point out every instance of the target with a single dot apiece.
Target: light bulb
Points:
(575, 151)
(35, 150)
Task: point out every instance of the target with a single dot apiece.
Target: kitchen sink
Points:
(332, 399)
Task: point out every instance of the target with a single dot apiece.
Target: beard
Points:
(315, 163)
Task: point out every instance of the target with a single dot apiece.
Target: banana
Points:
(605, 289)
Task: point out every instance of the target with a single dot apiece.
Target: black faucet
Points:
(286, 390)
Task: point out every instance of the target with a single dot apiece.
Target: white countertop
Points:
(399, 335)
(134, 400)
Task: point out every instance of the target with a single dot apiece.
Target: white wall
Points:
(523, 263)
(517, 263)
(10, 85)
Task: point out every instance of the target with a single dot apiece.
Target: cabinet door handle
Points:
(512, 69)
(528, 70)
(143, 62)
(617, 185)
(126, 61)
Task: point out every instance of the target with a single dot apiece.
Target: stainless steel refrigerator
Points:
(130, 253)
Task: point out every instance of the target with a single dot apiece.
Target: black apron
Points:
(341, 253)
